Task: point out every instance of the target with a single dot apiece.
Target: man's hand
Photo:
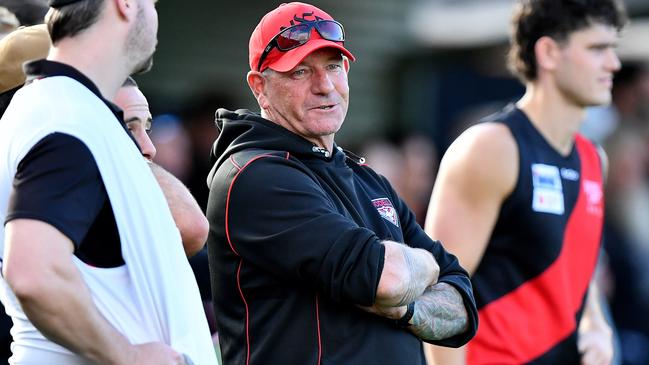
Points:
(596, 346)
(595, 339)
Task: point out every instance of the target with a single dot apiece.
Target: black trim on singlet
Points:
(44, 68)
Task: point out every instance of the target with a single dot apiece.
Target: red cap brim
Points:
(292, 58)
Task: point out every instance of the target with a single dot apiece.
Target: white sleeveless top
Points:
(154, 296)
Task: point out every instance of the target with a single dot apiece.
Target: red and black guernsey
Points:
(532, 282)
(295, 248)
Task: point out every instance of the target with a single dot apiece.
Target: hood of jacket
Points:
(242, 129)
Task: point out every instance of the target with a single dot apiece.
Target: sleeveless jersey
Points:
(532, 282)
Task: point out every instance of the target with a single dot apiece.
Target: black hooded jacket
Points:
(294, 248)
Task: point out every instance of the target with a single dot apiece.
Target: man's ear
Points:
(548, 53)
(126, 8)
(346, 64)
(257, 83)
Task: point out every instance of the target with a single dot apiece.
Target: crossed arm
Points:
(439, 313)
(410, 275)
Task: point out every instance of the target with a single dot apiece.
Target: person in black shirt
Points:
(314, 257)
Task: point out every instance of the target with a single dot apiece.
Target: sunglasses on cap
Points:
(299, 34)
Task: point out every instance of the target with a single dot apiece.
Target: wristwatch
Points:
(404, 322)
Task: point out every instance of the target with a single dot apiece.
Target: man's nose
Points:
(148, 149)
(322, 83)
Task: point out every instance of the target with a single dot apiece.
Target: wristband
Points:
(404, 321)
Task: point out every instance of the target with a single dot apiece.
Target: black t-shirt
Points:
(58, 182)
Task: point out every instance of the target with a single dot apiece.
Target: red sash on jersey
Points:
(536, 316)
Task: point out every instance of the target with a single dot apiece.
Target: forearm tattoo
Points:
(439, 313)
(418, 273)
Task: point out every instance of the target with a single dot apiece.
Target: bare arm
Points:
(439, 308)
(476, 174)
(595, 341)
(439, 313)
(39, 269)
(189, 218)
(407, 272)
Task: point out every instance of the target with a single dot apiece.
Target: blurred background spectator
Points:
(626, 235)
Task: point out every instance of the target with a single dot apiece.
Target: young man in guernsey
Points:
(519, 197)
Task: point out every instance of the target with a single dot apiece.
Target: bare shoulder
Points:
(477, 173)
(486, 154)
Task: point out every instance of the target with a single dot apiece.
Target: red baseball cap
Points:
(275, 21)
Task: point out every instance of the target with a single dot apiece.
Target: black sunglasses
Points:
(299, 34)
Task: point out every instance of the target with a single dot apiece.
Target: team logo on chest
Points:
(386, 210)
(548, 191)
(594, 197)
(569, 174)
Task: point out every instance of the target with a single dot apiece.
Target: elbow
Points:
(28, 285)
(194, 235)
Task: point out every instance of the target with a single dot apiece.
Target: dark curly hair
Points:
(534, 19)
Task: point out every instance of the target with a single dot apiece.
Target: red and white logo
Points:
(386, 210)
(594, 197)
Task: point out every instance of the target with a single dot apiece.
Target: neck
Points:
(325, 141)
(553, 115)
(102, 62)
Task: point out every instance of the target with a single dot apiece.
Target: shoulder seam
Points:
(227, 200)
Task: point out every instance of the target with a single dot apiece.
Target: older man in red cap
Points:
(314, 257)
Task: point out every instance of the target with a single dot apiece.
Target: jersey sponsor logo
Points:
(548, 191)
(569, 174)
(594, 197)
(386, 210)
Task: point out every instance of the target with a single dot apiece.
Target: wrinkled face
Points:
(142, 38)
(310, 100)
(137, 117)
(587, 64)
